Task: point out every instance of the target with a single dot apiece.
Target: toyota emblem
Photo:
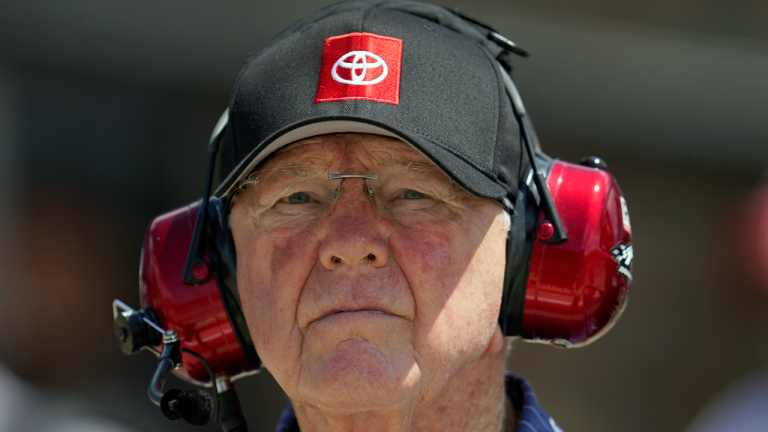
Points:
(362, 62)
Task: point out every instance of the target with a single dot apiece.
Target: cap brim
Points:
(459, 170)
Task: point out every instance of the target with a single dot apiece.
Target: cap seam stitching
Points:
(498, 105)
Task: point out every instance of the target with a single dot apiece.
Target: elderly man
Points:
(371, 156)
(381, 187)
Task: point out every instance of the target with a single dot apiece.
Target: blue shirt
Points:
(532, 418)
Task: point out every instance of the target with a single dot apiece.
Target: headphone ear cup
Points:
(221, 250)
(205, 315)
(577, 289)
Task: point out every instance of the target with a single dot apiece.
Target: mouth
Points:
(354, 311)
(352, 315)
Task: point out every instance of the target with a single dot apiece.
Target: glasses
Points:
(297, 196)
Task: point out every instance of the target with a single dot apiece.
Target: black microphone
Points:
(194, 406)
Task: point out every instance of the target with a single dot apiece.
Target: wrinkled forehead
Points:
(346, 152)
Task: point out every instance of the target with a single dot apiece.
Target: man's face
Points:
(352, 308)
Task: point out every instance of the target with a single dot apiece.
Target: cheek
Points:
(271, 272)
(456, 273)
(435, 259)
(426, 257)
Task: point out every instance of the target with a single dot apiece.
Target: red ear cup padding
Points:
(577, 289)
(196, 312)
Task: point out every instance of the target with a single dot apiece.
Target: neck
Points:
(473, 399)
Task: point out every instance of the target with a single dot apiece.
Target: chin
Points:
(357, 377)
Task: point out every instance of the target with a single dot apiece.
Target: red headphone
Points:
(567, 277)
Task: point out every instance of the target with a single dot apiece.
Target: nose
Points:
(353, 235)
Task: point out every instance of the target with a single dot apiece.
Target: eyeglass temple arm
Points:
(547, 204)
(195, 254)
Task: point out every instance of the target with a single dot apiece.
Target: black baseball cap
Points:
(404, 69)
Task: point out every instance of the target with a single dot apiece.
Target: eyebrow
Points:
(413, 167)
(293, 171)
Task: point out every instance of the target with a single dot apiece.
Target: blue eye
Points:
(412, 194)
(298, 198)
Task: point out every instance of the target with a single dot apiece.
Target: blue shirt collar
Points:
(532, 418)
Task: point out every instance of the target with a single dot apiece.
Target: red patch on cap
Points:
(360, 66)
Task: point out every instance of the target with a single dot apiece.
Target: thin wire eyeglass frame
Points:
(335, 193)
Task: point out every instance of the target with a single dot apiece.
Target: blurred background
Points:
(106, 108)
